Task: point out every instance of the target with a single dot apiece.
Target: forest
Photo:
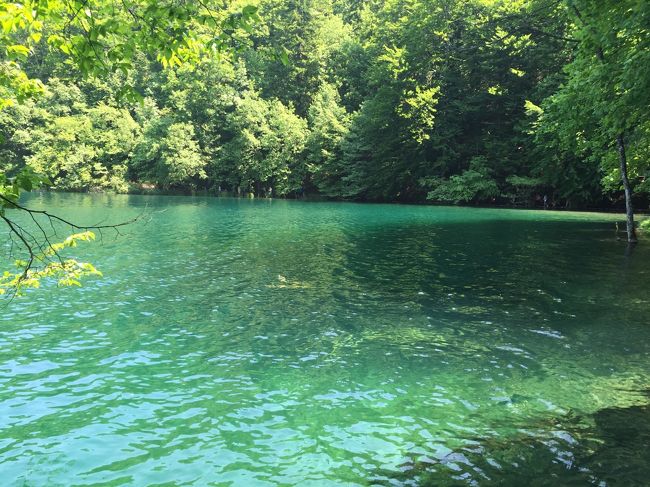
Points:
(511, 103)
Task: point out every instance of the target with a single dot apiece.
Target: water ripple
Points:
(285, 343)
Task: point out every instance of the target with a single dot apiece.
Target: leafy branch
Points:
(44, 259)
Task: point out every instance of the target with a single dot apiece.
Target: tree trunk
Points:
(629, 211)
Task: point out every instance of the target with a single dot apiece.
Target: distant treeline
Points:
(503, 102)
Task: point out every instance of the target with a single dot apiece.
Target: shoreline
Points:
(640, 215)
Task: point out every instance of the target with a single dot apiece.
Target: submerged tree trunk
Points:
(629, 211)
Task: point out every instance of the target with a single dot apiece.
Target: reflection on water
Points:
(272, 342)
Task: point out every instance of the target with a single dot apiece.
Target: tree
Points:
(328, 123)
(84, 148)
(602, 106)
(304, 35)
(180, 160)
(264, 149)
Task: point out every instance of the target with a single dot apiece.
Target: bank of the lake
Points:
(271, 342)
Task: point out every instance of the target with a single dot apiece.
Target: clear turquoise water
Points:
(237, 342)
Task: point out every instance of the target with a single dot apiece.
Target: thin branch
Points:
(25, 243)
(12, 204)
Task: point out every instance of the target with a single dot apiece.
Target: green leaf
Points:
(17, 50)
(249, 10)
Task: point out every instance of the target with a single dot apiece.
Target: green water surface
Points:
(259, 343)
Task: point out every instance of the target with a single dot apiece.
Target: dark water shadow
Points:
(608, 448)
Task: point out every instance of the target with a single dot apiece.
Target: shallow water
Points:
(238, 342)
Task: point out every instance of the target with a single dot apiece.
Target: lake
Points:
(272, 342)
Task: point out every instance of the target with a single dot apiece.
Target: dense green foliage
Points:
(480, 101)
